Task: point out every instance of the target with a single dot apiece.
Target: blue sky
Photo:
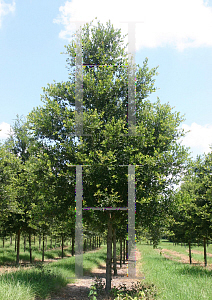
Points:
(175, 34)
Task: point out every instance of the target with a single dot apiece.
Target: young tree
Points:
(182, 223)
(106, 143)
(193, 207)
(202, 179)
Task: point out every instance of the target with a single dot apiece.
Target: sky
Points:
(175, 35)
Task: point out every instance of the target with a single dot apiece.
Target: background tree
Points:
(10, 166)
(18, 143)
(191, 214)
(202, 178)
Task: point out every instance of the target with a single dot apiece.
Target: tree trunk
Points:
(15, 241)
(51, 242)
(55, 244)
(85, 245)
(93, 243)
(46, 244)
(18, 247)
(189, 248)
(114, 253)
(90, 244)
(205, 253)
(120, 252)
(3, 241)
(72, 245)
(43, 247)
(62, 245)
(109, 256)
(126, 249)
(39, 242)
(30, 248)
(11, 240)
(124, 254)
(34, 239)
(24, 243)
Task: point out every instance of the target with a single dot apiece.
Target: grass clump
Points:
(27, 284)
(137, 290)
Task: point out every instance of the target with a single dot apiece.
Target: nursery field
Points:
(40, 280)
(166, 268)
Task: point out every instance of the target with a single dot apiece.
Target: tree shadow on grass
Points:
(70, 266)
(64, 265)
(197, 271)
(6, 256)
(41, 282)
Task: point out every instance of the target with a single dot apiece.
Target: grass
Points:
(42, 280)
(175, 280)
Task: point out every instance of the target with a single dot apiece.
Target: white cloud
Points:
(6, 8)
(199, 138)
(4, 130)
(179, 23)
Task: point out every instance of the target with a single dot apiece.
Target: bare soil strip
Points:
(182, 258)
(200, 252)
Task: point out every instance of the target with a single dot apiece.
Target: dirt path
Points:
(80, 289)
(183, 258)
(200, 252)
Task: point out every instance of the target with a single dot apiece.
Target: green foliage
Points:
(10, 166)
(137, 290)
(93, 293)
